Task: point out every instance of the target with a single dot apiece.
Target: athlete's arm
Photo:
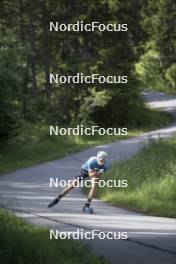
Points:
(93, 173)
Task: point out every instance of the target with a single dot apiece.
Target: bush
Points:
(151, 176)
(21, 243)
(11, 83)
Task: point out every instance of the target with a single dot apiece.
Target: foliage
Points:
(151, 176)
(171, 75)
(67, 53)
(158, 62)
(29, 53)
(24, 243)
(11, 84)
(34, 145)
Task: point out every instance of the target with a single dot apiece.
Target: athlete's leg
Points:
(67, 189)
(91, 195)
(63, 193)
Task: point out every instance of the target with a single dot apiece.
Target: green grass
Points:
(163, 89)
(33, 145)
(151, 176)
(22, 243)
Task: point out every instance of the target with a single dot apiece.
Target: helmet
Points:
(102, 155)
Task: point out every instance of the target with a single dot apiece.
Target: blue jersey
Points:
(92, 164)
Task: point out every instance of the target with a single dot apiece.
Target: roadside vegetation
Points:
(151, 176)
(34, 145)
(25, 244)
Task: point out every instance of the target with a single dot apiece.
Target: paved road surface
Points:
(150, 239)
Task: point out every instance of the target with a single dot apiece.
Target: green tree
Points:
(160, 24)
(68, 53)
(11, 72)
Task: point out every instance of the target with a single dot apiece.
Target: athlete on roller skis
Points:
(92, 169)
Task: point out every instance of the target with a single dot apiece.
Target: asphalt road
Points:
(150, 239)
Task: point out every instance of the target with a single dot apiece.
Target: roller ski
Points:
(87, 209)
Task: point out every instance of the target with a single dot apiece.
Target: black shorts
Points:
(83, 174)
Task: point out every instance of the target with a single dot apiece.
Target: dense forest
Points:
(29, 52)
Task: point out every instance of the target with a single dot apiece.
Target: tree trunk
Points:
(46, 50)
(26, 70)
(33, 53)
